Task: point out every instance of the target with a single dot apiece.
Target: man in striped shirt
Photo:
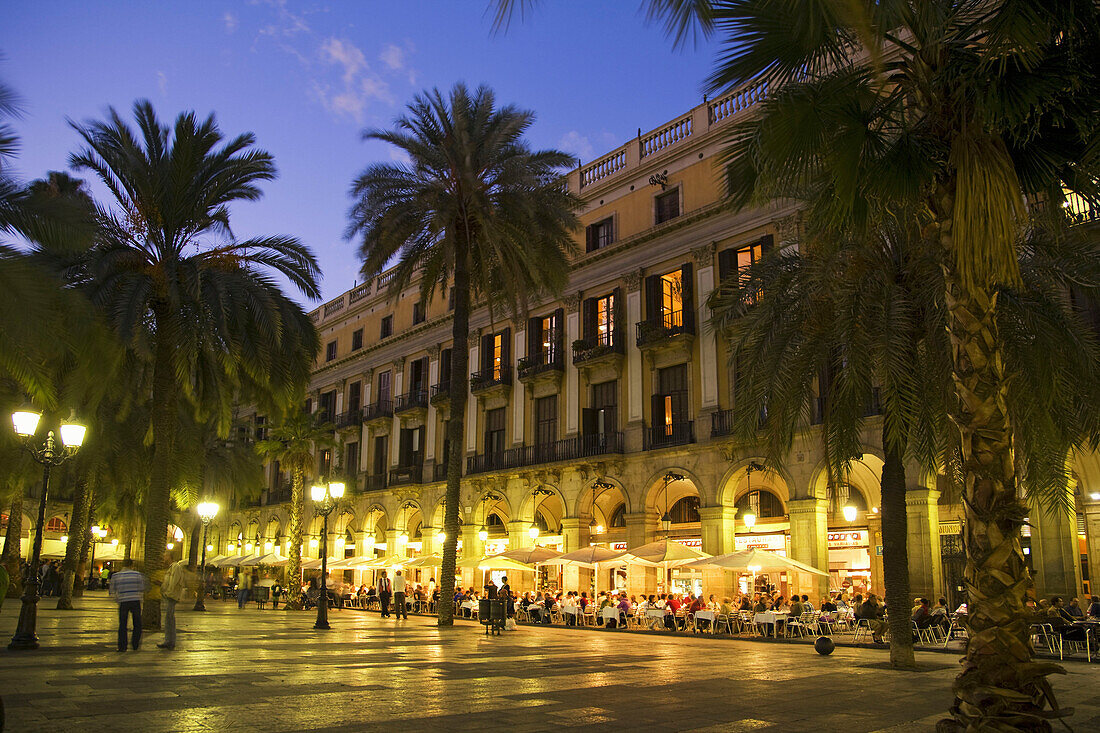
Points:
(128, 587)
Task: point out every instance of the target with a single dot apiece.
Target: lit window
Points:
(672, 300)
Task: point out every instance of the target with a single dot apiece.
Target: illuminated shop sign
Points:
(857, 538)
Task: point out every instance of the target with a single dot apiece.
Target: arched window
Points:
(618, 517)
(763, 503)
(845, 495)
(418, 532)
(349, 544)
(543, 524)
(56, 524)
(494, 520)
(685, 511)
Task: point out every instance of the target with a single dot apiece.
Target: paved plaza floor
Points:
(270, 671)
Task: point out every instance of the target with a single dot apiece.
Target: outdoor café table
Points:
(705, 616)
(770, 618)
(655, 617)
(470, 606)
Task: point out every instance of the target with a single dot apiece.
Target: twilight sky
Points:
(307, 76)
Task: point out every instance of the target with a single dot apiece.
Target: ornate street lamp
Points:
(533, 533)
(749, 518)
(666, 518)
(325, 497)
(593, 527)
(207, 511)
(49, 454)
(98, 533)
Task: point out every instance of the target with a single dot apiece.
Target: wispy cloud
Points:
(358, 86)
(344, 54)
(285, 23)
(162, 83)
(392, 56)
(577, 144)
(230, 22)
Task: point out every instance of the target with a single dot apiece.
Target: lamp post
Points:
(49, 454)
(207, 511)
(325, 497)
(98, 533)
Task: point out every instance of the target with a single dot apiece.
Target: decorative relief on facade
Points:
(633, 280)
(704, 256)
(788, 229)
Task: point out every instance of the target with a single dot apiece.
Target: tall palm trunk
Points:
(459, 388)
(129, 541)
(85, 545)
(895, 555)
(294, 562)
(193, 545)
(158, 503)
(1000, 686)
(12, 537)
(78, 528)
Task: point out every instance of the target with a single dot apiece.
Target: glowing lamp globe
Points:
(25, 422)
(207, 510)
(115, 542)
(849, 513)
(440, 536)
(749, 520)
(317, 492)
(336, 489)
(533, 533)
(72, 435)
(483, 534)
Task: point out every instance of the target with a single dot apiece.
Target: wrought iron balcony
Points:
(545, 360)
(415, 400)
(378, 410)
(490, 378)
(348, 419)
(374, 481)
(440, 393)
(668, 434)
(439, 470)
(579, 446)
(666, 326)
(404, 475)
(605, 344)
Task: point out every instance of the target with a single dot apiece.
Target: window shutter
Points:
(767, 242)
(445, 366)
(486, 352)
(653, 297)
(559, 331)
(588, 318)
(506, 348)
(727, 263)
(618, 312)
(590, 238)
(657, 410)
(534, 326)
(687, 286)
(589, 421)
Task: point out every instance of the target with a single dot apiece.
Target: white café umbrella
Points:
(493, 562)
(241, 561)
(756, 561)
(271, 559)
(215, 560)
(664, 554)
(531, 555)
(587, 557)
(315, 563)
(226, 561)
(425, 561)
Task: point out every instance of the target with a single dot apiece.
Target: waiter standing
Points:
(385, 592)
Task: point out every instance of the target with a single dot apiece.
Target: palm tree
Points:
(475, 209)
(188, 298)
(813, 334)
(967, 111)
(295, 443)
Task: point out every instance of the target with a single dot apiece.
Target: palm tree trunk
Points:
(1000, 686)
(895, 555)
(79, 579)
(78, 528)
(129, 535)
(193, 545)
(294, 562)
(456, 424)
(157, 505)
(10, 557)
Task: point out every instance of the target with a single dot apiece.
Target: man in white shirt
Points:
(399, 595)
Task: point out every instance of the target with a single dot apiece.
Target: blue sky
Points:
(307, 77)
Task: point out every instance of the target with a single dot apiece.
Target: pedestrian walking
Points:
(128, 588)
(172, 590)
(385, 592)
(244, 588)
(399, 595)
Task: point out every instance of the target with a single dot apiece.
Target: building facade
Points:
(608, 410)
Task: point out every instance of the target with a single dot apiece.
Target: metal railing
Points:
(483, 380)
(376, 410)
(374, 481)
(579, 446)
(440, 392)
(349, 418)
(404, 475)
(665, 326)
(609, 342)
(668, 434)
(439, 470)
(416, 399)
(545, 360)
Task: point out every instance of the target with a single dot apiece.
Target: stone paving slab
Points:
(270, 670)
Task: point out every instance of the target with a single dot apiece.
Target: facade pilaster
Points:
(1054, 550)
(922, 512)
(809, 544)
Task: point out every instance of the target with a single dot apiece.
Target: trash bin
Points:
(491, 614)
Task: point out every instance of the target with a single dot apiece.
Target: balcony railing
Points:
(280, 495)
(873, 407)
(545, 360)
(439, 470)
(661, 328)
(721, 422)
(416, 399)
(580, 446)
(609, 342)
(668, 434)
(376, 410)
(374, 481)
(404, 475)
(349, 418)
(481, 381)
(440, 392)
